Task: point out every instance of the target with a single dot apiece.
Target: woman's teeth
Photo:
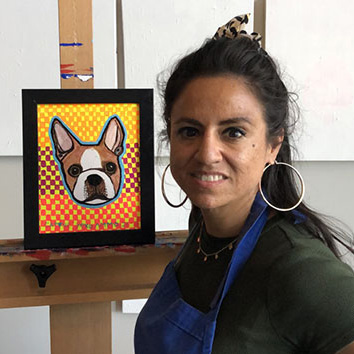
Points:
(210, 178)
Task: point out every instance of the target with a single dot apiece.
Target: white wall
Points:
(315, 48)
(27, 59)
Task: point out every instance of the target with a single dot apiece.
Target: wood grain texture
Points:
(81, 328)
(75, 28)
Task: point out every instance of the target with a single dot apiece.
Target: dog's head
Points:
(92, 172)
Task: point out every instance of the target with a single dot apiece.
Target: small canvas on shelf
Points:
(88, 167)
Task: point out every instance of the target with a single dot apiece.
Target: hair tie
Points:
(236, 27)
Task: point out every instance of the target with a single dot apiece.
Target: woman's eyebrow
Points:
(195, 122)
(237, 120)
(186, 120)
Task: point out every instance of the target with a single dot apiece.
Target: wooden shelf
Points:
(84, 275)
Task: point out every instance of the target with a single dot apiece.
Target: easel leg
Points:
(81, 328)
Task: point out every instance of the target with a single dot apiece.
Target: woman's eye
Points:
(234, 132)
(188, 132)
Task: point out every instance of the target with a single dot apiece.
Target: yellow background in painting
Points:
(57, 212)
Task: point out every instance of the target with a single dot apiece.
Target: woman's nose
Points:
(208, 150)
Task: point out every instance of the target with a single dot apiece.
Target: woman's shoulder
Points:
(310, 291)
(302, 261)
(303, 267)
(290, 242)
(289, 254)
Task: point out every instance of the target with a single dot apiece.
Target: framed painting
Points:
(88, 167)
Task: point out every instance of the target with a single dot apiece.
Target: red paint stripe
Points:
(79, 252)
(42, 255)
(125, 249)
(65, 65)
(66, 71)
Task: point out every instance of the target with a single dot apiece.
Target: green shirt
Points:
(292, 296)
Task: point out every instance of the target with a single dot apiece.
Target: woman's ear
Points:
(276, 143)
(275, 147)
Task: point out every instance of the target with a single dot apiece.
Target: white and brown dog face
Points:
(92, 172)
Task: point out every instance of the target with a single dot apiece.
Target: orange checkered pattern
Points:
(58, 213)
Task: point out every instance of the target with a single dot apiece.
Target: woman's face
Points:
(218, 142)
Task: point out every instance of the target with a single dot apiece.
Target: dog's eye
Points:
(111, 167)
(74, 170)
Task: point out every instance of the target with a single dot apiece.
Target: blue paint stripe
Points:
(68, 76)
(71, 44)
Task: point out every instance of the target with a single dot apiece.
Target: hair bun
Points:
(235, 28)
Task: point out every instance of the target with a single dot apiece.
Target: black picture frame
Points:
(115, 233)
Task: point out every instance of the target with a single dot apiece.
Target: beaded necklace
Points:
(206, 255)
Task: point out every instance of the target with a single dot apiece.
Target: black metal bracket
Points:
(42, 273)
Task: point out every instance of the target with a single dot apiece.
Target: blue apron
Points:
(169, 325)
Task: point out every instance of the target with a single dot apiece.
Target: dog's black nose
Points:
(94, 180)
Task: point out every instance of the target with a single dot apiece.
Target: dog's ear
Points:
(113, 136)
(63, 140)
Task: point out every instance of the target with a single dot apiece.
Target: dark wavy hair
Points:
(244, 58)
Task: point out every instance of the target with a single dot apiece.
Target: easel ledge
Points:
(12, 250)
(84, 275)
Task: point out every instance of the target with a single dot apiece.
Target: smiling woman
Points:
(219, 149)
(250, 278)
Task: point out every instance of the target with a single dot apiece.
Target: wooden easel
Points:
(76, 49)
(82, 327)
(81, 289)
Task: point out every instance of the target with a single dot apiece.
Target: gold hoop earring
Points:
(164, 193)
(301, 181)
